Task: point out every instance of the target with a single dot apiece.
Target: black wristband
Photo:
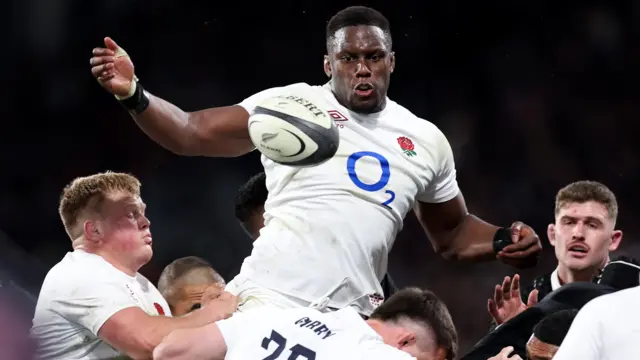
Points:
(138, 102)
(501, 239)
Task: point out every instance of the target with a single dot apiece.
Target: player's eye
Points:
(195, 306)
(347, 58)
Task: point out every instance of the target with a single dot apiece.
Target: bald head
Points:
(184, 281)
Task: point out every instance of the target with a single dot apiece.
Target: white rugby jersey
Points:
(339, 219)
(303, 334)
(78, 295)
(606, 328)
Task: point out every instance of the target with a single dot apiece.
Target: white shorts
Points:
(251, 295)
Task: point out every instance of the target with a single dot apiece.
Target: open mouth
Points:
(578, 249)
(363, 89)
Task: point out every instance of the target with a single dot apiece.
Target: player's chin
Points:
(365, 104)
(578, 264)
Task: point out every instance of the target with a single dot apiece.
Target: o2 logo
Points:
(377, 186)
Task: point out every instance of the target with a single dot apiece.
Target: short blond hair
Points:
(584, 191)
(87, 193)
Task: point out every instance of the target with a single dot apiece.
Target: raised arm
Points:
(216, 132)
(458, 235)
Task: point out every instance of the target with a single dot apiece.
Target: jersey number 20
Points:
(380, 184)
(297, 351)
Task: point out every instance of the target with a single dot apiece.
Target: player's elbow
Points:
(163, 352)
(170, 348)
(446, 250)
(141, 348)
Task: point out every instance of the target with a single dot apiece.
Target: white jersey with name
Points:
(338, 220)
(303, 334)
(78, 295)
(606, 328)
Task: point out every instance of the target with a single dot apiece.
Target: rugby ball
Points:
(293, 130)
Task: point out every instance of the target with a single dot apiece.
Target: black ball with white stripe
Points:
(292, 130)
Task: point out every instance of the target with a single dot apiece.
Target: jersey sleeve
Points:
(584, 339)
(444, 185)
(232, 328)
(90, 302)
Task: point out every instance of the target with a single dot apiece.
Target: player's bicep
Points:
(205, 342)
(133, 332)
(221, 131)
(441, 220)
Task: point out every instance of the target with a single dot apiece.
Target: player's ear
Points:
(91, 231)
(392, 61)
(327, 66)
(616, 237)
(551, 234)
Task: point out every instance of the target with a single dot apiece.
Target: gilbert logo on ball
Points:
(293, 130)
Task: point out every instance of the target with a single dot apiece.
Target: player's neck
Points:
(567, 276)
(108, 257)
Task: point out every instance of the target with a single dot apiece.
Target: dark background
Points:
(532, 95)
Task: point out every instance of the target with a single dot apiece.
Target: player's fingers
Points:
(99, 60)
(110, 44)
(98, 70)
(506, 288)
(524, 243)
(516, 227)
(106, 77)
(492, 308)
(103, 52)
(497, 296)
(211, 293)
(533, 298)
(506, 351)
(515, 286)
(523, 254)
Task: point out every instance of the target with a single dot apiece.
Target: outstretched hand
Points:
(113, 68)
(507, 301)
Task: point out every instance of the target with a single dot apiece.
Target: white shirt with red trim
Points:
(78, 295)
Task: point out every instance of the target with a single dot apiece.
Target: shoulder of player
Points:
(73, 273)
(620, 300)
(423, 127)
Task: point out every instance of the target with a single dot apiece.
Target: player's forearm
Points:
(140, 340)
(472, 240)
(167, 125)
(187, 344)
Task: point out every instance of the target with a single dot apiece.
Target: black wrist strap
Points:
(138, 102)
(501, 239)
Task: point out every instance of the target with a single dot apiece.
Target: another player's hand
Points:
(526, 247)
(113, 68)
(211, 293)
(222, 306)
(505, 354)
(507, 301)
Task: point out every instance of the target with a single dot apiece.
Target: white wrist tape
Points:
(132, 90)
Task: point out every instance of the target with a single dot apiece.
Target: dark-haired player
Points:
(413, 320)
(549, 333)
(328, 228)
